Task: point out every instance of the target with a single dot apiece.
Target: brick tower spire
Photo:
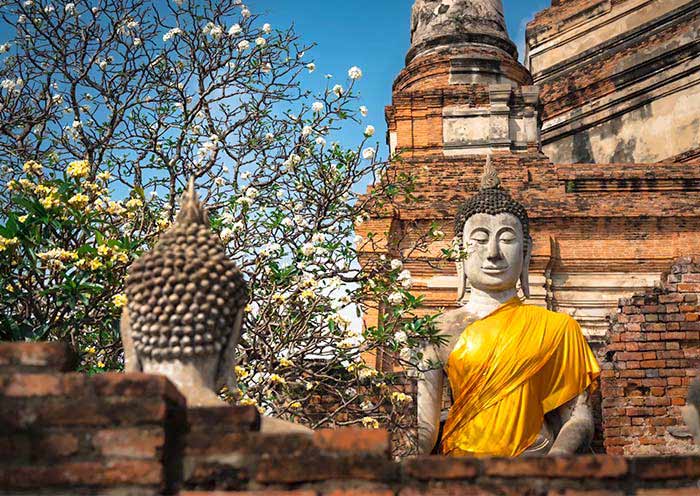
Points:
(438, 24)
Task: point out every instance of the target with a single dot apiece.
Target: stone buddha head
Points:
(185, 306)
(494, 233)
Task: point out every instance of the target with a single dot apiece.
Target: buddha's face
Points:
(495, 247)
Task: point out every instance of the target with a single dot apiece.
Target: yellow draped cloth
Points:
(506, 371)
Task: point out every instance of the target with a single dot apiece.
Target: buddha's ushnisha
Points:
(519, 374)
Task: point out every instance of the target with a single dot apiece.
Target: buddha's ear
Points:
(524, 275)
(462, 281)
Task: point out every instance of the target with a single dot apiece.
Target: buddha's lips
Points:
(493, 270)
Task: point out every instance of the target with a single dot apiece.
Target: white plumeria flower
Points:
(69, 8)
(368, 153)
(266, 68)
(21, 19)
(269, 136)
(338, 90)
(317, 107)
(308, 249)
(396, 264)
(287, 222)
(245, 175)
(178, 2)
(355, 73)
(395, 298)
(251, 192)
(245, 13)
(400, 337)
(260, 41)
(320, 141)
(103, 64)
(170, 34)
(226, 234)
(4, 48)
(234, 30)
(363, 111)
(306, 131)
(219, 181)
(244, 45)
(311, 67)
(369, 131)
(405, 354)
(137, 42)
(267, 29)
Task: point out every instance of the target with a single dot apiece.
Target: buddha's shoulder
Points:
(558, 318)
(455, 320)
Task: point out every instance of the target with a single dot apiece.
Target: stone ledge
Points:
(36, 357)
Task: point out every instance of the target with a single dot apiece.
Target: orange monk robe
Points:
(506, 371)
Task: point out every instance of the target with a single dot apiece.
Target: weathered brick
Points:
(132, 442)
(441, 468)
(584, 466)
(353, 440)
(36, 357)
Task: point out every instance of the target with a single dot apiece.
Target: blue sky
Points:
(371, 34)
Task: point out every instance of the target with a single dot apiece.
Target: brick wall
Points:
(653, 353)
(131, 434)
(75, 434)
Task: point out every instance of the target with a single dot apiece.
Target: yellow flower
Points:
(32, 167)
(12, 185)
(248, 308)
(49, 202)
(370, 423)
(6, 243)
(78, 169)
(115, 208)
(95, 264)
(78, 200)
(400, 397)
(134, 203)
(247, 401)
(284, 362)
(22, 218)
(162, 223)
(67, 256)
(120, 257)
(42, 190)
(103, 250)
(91, 350)
(295, 405)
(104, 176)
(307, 294)
(10, 288)
(119, 300)
(241, 373)
(81, 263)
(277, 378)
(100, 364)
(27, 184)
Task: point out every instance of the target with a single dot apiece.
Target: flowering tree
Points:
(122, 99)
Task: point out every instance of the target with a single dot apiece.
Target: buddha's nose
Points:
(494, 253)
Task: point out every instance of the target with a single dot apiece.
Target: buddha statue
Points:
(691, 411)
(185, 309)
(520, 375)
